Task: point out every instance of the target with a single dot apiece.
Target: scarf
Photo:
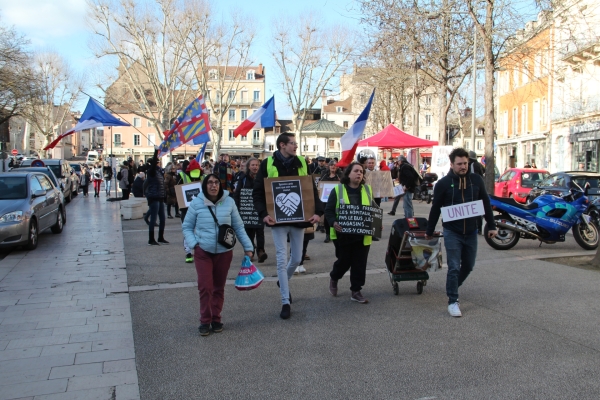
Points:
(287, 162)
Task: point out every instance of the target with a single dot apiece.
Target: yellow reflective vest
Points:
(366, 199)
(272, 171)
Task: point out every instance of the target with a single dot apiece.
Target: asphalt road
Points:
(529, 330)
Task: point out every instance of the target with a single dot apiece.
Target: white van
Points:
(92, 157)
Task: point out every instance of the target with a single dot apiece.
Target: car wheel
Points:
(60, 221)
(32, 241)
(68, 199)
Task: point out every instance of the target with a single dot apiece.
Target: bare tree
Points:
(18, 84)
(59, 88)
(309, 57)
(219, 54)
(155, 78)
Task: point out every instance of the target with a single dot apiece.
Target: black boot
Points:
(161, 238)
(151, 241)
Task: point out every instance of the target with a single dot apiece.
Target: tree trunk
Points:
(442, 112)
(489, 102)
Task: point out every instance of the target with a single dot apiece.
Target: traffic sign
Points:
(14, 152)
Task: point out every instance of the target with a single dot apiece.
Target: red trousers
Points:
(97, 184)
(212, 272)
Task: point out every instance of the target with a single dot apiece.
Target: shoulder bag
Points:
(225, 235)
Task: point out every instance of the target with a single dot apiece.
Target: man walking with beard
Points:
(460, 186)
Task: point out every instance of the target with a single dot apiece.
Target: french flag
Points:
(264, 117)
(349, 142)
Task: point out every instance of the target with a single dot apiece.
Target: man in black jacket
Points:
(407, 176)
(284, 162)
(460, 186)
(154, 189)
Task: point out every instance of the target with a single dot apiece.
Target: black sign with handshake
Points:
(247, 211)
(360, 220)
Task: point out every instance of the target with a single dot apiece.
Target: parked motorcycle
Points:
(547, 219)
(424, 191)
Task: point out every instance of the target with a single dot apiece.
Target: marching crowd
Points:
(211, 224)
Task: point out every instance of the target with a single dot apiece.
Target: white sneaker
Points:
(301, 269)
(297, 270)
(454, 310)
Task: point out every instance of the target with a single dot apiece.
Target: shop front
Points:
(585, 140)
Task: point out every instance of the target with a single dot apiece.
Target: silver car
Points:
(29, 204)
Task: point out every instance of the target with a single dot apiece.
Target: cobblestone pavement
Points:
(65, 321)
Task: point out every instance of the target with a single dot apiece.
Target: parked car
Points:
(517, 182)
(44, 170)
(62, 170)
(29, 204)
(558, 184)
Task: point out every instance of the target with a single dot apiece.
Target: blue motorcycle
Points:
(547, 219)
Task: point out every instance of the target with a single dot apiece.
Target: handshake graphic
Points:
(288, 203)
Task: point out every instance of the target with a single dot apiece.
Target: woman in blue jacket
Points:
(212, 260)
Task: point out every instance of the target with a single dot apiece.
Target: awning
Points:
(393, 138)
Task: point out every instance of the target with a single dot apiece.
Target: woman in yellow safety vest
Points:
(351, 250)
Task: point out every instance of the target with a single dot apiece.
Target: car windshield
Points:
(12, 188)
(55, 169)
(76, 167)
(91, 157)
(530, 179)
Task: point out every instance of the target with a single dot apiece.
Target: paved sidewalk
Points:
(65, 320)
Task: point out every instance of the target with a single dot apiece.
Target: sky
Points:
(60, 25)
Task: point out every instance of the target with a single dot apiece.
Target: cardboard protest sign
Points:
(186, 193)
(462, 211)
(398, 190)
(247, 211)
(325, 188)
(381, 183)
(360, 220)
(316, 178)
(290, 198)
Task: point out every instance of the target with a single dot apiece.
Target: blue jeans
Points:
(461, 251)
(157, 209)
(285, 267)
(107, 183)
(407, 205)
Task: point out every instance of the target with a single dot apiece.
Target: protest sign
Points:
(290, 198)
(381, 183)
(462, 211)
(247, 211)
(325, 189)
(398, 190)
(186, 193)
(360, 220)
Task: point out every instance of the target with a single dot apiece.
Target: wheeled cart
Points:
(399, 258)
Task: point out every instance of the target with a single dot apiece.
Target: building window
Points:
(544, 112)
(137, 122)
(257, 95)
(244, 96)
(525, 76)
(151, 139)
(231, 137)
(136, 140)
(536, 115)
(256, 135)
(117, 137)
(428, 100)
(218, 97)
(345, 124)
(427, 137)
(231, 95)
(271, 147)
(305, 147)
(537, 65)
(315, 147)
(515, 82)
(515, 121)
(524, 124)
(505, 123)
(232, 115)
(331, 143)
(427, 119)
(149, 123)
(466, 145)
(480, 131)
(213, 74)
(479, 145)
(250, 75)
(244, 115)
(244, 138)
(338, 109)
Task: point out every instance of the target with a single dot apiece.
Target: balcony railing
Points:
(257, 142)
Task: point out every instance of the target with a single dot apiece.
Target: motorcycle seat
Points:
(513, 202)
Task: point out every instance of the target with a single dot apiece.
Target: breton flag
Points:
(349, 142)
(264, 117)
(93, 116)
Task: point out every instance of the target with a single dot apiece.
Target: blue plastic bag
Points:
(249, 276)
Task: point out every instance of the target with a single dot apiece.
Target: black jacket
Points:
(408, 176)
(244, 182)
(138, 187)
(476, 167)
(452, 189)
(260, 201)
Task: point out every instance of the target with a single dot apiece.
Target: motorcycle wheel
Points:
(504, 240)
(429, 198)
(586, 235)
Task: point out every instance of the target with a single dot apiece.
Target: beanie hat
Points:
(194, 169)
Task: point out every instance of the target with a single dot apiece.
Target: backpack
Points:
(119, 175)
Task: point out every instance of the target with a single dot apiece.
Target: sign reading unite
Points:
(360, 220)
(247, 211)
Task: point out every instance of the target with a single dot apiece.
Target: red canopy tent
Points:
(393, 138)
